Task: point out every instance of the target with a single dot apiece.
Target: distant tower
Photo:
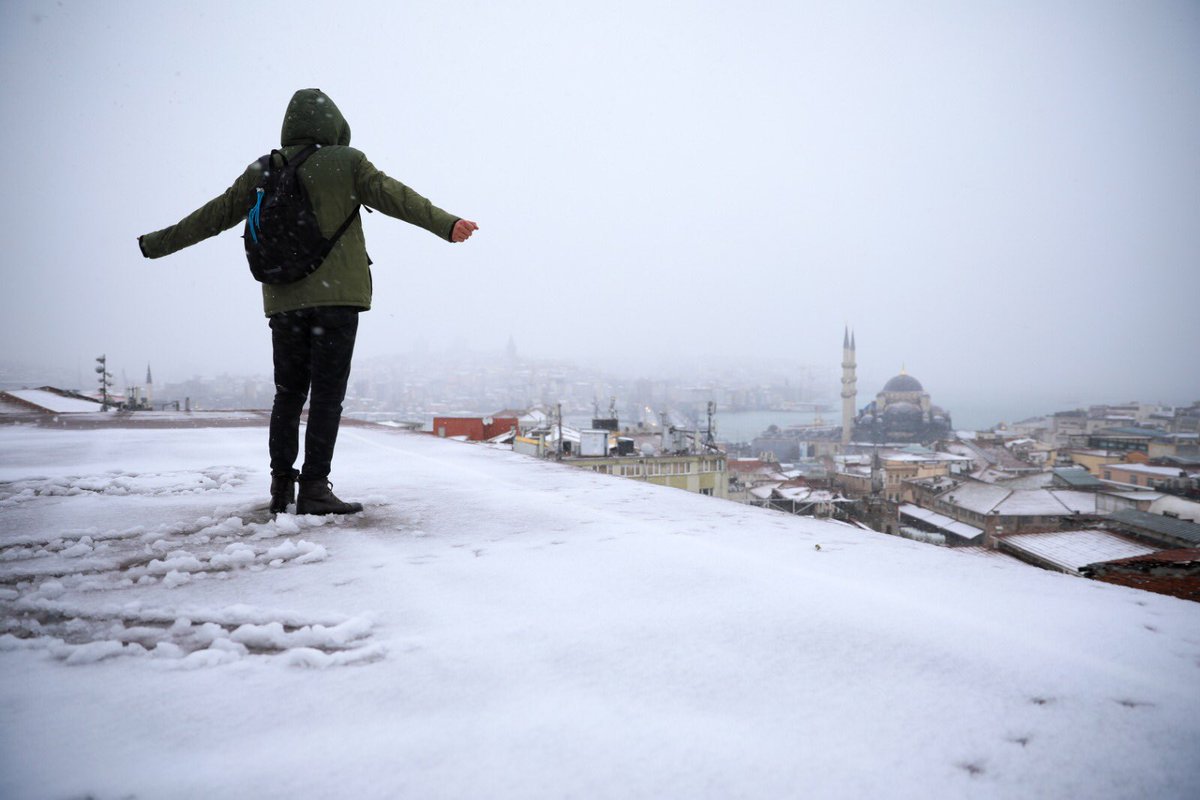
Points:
(149, 388)
(849, 385)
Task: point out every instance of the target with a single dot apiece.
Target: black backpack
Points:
(283, 241)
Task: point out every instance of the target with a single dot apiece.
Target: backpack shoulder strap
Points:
(300, 157)
(269, 159)
(342, 229)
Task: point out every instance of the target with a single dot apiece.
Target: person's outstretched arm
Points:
(217, 215)
(382, 193)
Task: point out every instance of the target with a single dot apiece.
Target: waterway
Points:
(745, 426)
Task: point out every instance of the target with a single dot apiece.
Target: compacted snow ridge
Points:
(497, 626)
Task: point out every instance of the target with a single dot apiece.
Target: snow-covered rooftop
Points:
(1146, 469)
(980, 498)
(1071, 550)
(1136, 494)
(765, 491)
(54, 402)
(940, 521)
(503, 627)
(983, 498)
(1076, 501)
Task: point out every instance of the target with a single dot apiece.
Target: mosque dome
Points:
(903, 383)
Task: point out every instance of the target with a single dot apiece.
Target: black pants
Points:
(312, 351)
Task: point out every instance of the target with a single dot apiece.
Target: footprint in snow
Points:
(1135, 703)
(152, 484)
(209, 638)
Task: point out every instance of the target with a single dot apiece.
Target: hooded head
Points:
(312, 118)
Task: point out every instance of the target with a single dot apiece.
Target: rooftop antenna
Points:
(105, 379)
(709, 442)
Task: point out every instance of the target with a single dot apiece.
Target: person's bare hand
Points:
(463, 230)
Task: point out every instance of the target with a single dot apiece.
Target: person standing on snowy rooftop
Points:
(314, 320)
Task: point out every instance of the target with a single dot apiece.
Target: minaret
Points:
(849, 386)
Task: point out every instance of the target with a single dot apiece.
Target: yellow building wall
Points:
(1092, 462)
(703, 474)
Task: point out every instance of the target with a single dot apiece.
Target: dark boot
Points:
(283, 490)
(317, 497)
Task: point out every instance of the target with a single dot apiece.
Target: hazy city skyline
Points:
(999, 197)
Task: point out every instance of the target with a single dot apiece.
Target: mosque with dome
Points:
(901, 413)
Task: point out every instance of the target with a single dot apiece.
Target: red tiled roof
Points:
(746, 465)
(1173, 558)
(1172, 572)
(1185, 587)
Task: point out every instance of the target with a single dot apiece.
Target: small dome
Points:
(903, 383)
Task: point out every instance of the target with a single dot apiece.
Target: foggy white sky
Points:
(1004, 197)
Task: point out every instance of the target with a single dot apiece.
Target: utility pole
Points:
(709, 442)
(105, 379)
(560, 439)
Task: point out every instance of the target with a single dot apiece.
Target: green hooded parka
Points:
(338, 178)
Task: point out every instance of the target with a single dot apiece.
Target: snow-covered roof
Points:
(569, 434)
(802, 494)
(54, 402)
(1045, 502)
(984, 498)
(940, 521)
(1146, 469)
(1020, 502)
(467, 592)
(765, 491)
(980, 498)
(1070, 550)
(855, 472)
(1082, 502)
(1036, 480)
(1134, 494)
